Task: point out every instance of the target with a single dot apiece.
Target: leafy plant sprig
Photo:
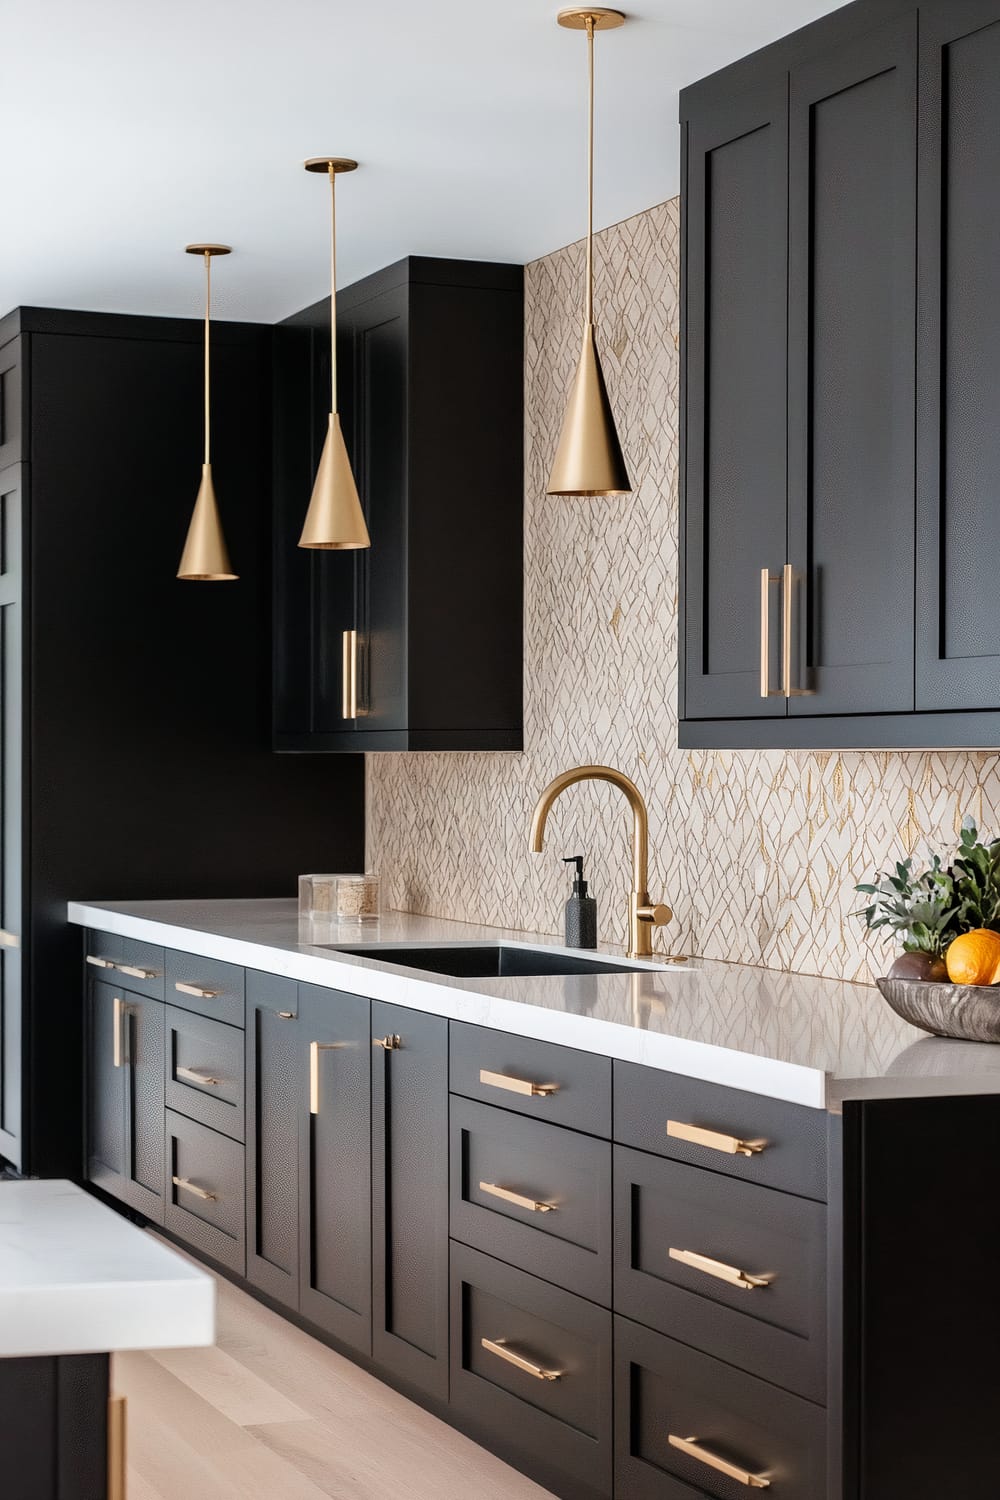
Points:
(926, 910)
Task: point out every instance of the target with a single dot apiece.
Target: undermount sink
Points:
(486, 960)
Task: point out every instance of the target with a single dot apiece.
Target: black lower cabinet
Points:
(410, 1196)
(686, 1423)
(531, 1373)
(54, 1427)
(125, 1051)
(335, 1246)
(206, 1203)
(273, 1090)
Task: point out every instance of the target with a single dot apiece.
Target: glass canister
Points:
(358, 898)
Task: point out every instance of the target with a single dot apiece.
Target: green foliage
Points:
(927, 909)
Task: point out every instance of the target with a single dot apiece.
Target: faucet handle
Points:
(655, 913)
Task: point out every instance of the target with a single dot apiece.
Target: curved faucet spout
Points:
(642, 916)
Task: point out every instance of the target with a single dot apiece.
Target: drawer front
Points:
(736, 1270)
(718, 1417)
(204, 1071)
(744, 1135)
(538, 1389)
(206, 986)
(139, 966)
(205, 1205)
(558, 1223)
(574, 1087)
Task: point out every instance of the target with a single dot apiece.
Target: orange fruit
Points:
(974, 958)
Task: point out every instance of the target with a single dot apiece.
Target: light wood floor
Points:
(271, 1414)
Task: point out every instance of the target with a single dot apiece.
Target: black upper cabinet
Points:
(841, 293)
(427, 622)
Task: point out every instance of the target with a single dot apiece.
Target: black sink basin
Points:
(487, 961)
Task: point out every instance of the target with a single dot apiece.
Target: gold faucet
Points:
(643, 915)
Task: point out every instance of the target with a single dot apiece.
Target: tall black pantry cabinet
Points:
(135, 709)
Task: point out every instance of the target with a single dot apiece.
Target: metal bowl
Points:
(970, 1012)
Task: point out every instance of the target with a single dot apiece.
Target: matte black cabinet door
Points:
(410, 1196)
(143, 1070)
(105, 1089)
(335, 1248)
(958, 603)
(851, 373)
(11, 731)
(735, 346)
(273, 1091)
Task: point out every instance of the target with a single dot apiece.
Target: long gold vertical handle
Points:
(766, 579)
(118, 1009)
(692, 1449)
(117, 1447)
(500, 1349)
(315, 1048)
(349, 676)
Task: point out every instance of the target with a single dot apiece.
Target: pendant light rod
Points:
(589, 303)
(208, 364)
(333, 288)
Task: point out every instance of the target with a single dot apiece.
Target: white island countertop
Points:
(76, 1278)
(811, 1041)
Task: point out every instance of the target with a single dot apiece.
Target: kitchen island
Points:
(664, 1233)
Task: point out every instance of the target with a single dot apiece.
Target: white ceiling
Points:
(130, 127)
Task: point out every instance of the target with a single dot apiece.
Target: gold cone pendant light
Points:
(205, 558)
(589, 458)
(334, 519)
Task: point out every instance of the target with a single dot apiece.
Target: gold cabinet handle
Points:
(719, 1269)
(516, 1198)
(691, 1447)
(714, 1140)
(766, 690)
(117, 1454)
(516, 1085)
(349, 676)
(135, 973)
(315, 1048)
(9, 939)
(192, 1187)
(118, 1010)
(195, 990)
(285, 1015)
(99, 963)
(192, 1075)
(390, 1043)
(500, 1349)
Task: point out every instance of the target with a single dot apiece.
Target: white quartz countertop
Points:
(811, 1041)
(77, 1278)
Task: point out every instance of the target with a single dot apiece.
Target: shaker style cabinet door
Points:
(144, 1185)
(335, 1246)
(851, 374)
(105, 1088)
(11, 738)
(273, 1091)
(735, 268)
(958, 450)
(410, 1196)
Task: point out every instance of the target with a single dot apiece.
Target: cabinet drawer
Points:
(664, 1391)
(204, 1071)
(137, 965)
(531, 1373)
(206, 986)
(557, 1224)
(734, 1269)
(745, 1135)
(205, 1191)
(574, 1087)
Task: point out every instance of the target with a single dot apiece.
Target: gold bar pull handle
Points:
(787, 617)
(391, 1043)
(118, 1012)
(285, 1015)
(693, 1449)
(192, 1187)
(315, 1048)
(713, 1140)
(135, 973)
(500, 1349)
(117, 1447)
(349, 676)
(183, 988)
(193, 1075)
(516, 1085)
(518, 1199)
(766, 579)
(719, 1269)
(9, 939)
(98, 962)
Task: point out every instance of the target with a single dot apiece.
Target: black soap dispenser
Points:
(581, 910)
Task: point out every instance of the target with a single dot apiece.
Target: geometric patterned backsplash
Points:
(757, 852)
